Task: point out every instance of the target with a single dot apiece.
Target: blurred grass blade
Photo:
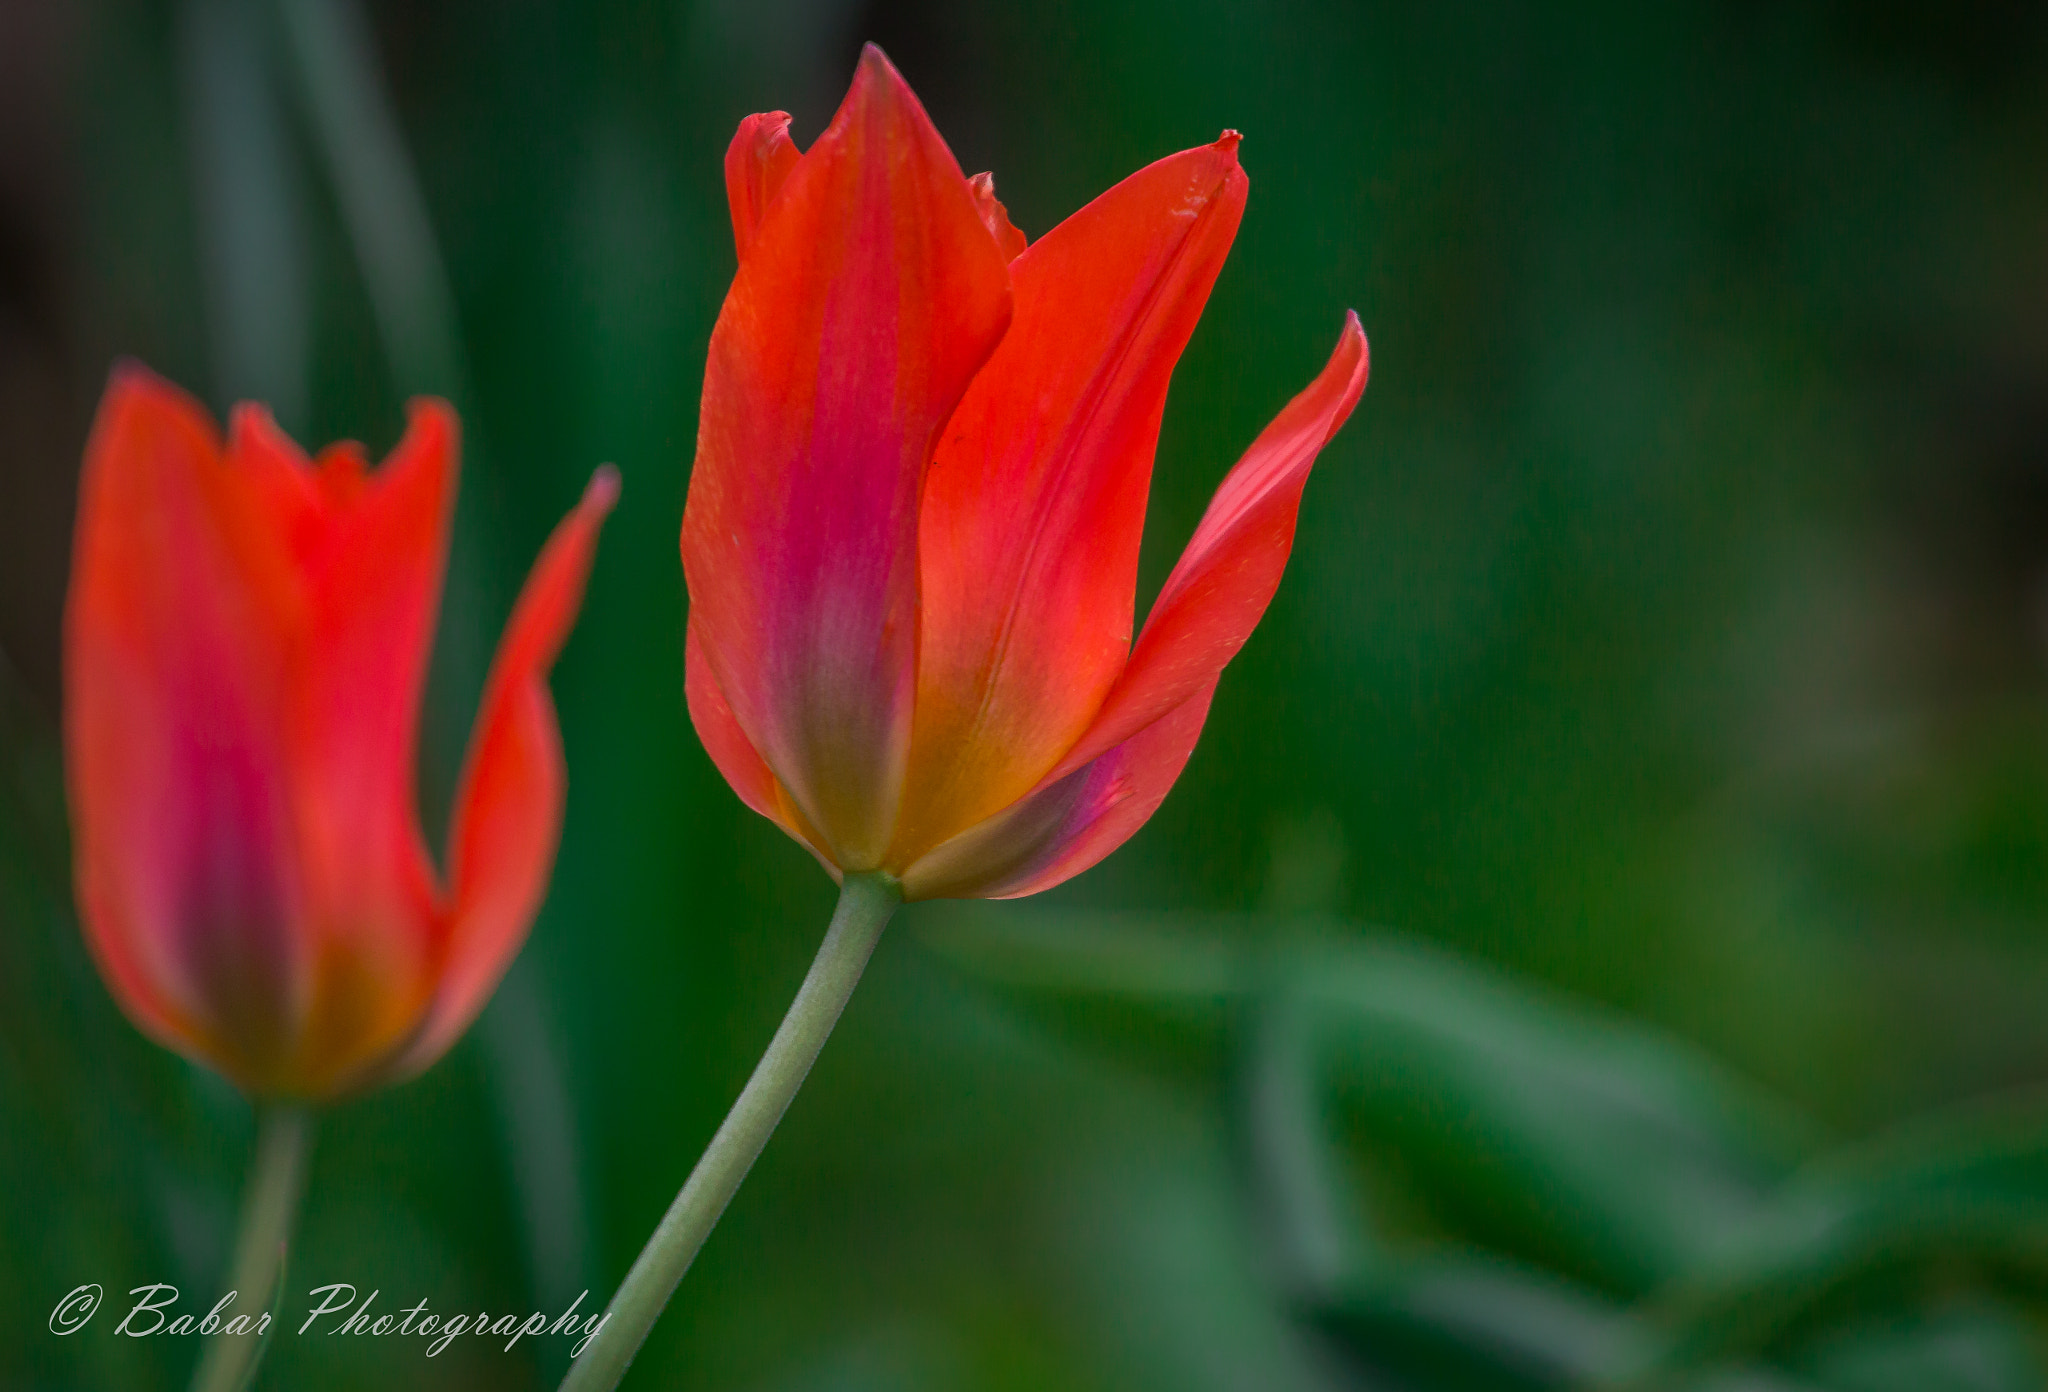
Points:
(1316, 1238)
(1162, 990)
(252, 238)
(1959, 1199)
(269, 1334)
(1486, 1326)
(1976, 1348)
(1547, 1128)
(538, 1116)
(1558, 1131)
(359, 138)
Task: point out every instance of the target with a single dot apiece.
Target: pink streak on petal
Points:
(865, 304)
(175, 757)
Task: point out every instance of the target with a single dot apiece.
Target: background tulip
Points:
(245, 647)
(913, 525)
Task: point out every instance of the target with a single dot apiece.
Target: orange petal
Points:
(1067, 826)
(737, 760)
(1220, 588)
(864, 306)
(508, 807)
(371, 556)
(995, 217)
(758, 160)
(1036, 498)
(176, 762)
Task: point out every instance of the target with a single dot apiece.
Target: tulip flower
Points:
(912, 532)
(245, 645)
(911, 543)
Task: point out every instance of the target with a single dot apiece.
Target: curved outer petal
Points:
(1093, 803)
(758, 160)
(174, 675)
(868, 299)
(1223, 582)
(1036, 499)
(508, 806)
(1066, 827)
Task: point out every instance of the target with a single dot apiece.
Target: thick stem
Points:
(277, 1178)
(865, 905)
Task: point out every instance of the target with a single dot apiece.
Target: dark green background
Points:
(1666, 636)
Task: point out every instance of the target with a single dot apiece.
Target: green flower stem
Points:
(865, 905)
(277, 1178)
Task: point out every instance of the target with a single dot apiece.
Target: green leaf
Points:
(1548, 1128)
(1960, 1198)
(1977, 1348)
(1478, 1324)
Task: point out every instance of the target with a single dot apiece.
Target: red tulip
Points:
(245, 646)
(912, 532)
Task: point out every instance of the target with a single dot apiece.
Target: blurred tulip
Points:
(246, 643)
(912, 532)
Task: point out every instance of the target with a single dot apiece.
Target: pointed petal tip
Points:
(1229, 141)
(601, 495)
(1352, 339)
(762, 129)
(251, 426)
(877, 71)
(995, 217)
(133, 383)
(250, 415)
(429, 407)
(130, 374)
(433, 418)
(875, 66)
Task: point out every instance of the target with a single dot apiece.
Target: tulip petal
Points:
(737, 759)
(508, 807)
(370, 553)
(1224, 580)
(868, 299)
(175, 759)
(1069, 825)
(756, 163)
(995, 217)
(734, 755)
(1036, 499)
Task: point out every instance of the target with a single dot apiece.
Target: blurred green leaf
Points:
(1476, 1325)
(1977, 1348)
(1959, 1199)
(1610, 1150)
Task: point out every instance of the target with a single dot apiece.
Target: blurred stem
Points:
(270, 1205)
(865, 905)
(1291, 1157)
(356, 130)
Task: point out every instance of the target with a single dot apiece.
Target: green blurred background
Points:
(1599, 940)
